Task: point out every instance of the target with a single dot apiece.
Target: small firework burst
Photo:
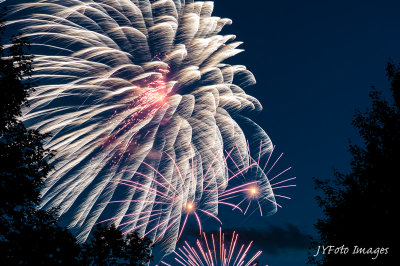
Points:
(215, 250)
(252, 185)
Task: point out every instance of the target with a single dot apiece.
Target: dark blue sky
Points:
(314, 62)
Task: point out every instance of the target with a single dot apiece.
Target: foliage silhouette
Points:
(27, 235)
(138, 249)
(109, 247)
(359, 206)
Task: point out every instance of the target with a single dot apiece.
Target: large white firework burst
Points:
(142, 110)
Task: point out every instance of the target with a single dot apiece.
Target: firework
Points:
(215, 251)
(141, 108)
(256, 184)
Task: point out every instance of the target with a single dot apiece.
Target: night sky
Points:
(314, 62)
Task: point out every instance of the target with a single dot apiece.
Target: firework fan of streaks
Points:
(141, 108)
(215, 251)
(250, 185)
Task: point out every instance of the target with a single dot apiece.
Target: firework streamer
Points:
(255, 186)
(215, 250)
(141, 108)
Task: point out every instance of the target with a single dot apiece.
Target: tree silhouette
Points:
(27, 235)
(138, 249)
(106, 246)
(109, 247)
(359, 206)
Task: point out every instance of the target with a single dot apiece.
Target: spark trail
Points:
(215, 251)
